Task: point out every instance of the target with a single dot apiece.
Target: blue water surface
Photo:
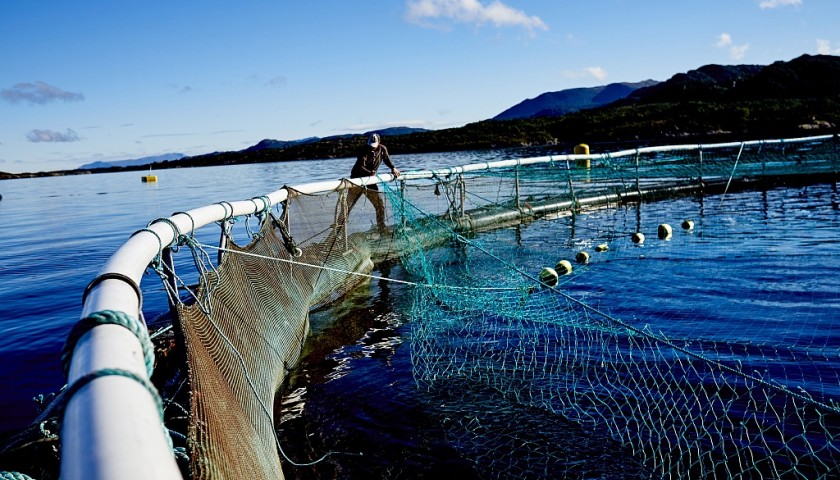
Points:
(773, 256)
(755, 283)
(59, 231)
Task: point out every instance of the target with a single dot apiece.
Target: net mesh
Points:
(536, 375)
(648, 374)
(246, 326)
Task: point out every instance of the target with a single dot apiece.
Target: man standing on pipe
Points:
(370, 157)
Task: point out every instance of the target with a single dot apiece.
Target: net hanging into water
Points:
(686, 403)
(641, 381)
(246, 328)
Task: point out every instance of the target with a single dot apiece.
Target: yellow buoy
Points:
(638, 237)
(549, 277)
(563, 267)
(149, 178)
(582, 149)
(664, 231)
(687, 224)
(602, 247)
(582, 258)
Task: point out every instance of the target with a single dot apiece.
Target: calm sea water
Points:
(354, 394)
(59, 231)
(757, 279)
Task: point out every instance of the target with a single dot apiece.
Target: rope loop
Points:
(203, 265)
(248, 229)
(288, 240)
(226, 205)
(105, 372)
(155, 263)
(176, 232)
(160, 242)
(84, 380)
(266, 204)
(256, 205)
(192, 220)
(109, 317)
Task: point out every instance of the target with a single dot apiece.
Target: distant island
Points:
(714, 103)
(133, 162)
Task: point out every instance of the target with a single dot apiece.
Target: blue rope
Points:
(105, 372)
(192, 229)
(153, 233)
(225, 205)
(14, 476)
(266, 204)
(155, 264)
(176, 232)
(109, 317)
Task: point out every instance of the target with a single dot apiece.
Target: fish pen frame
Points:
(112, 426)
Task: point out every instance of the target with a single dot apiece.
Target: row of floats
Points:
(549, 277)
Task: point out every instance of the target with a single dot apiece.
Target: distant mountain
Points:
(394, 131)
(269, 144)
(811, 76)
(807, 76)
(555, 104)
(707, 83)
(133, 162)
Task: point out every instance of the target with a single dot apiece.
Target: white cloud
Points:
(472, 11)
(736, 52)
(597, 73)
(39, 93)
(277, 81)
(38, 136)
(824, 48)
(765, 4)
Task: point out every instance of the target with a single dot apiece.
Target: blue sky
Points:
(102, 80)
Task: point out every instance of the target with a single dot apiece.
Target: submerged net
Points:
(658, 388)
(536, 375)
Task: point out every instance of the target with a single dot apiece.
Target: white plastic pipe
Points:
(112, 428)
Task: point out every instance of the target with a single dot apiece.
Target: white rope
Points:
(351, 272)
(731, 175)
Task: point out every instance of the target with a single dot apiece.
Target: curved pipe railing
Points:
(112, 427)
